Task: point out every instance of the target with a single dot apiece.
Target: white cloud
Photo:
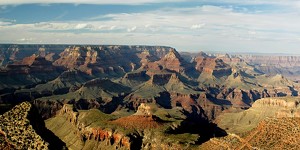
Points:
(113, 27)
(131, 29)
(4, 23)
(80, 26)
(43, 25)
(197, 26)
(26, 40)
(84, 26)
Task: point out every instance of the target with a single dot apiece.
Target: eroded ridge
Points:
(16, 131)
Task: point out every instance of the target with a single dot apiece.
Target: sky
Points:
(246, 26)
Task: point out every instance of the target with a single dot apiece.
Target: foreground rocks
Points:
(23, 128)
(17, 131)
(271, 133)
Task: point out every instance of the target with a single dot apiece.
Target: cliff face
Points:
(106, 59)
(9, 53)
(28, 60)
(285, 65)
(283, 61)
(29, 72)
(230, 59)
(213, 71)
(277, 102)
(288, 107)
(87, 134)
(267, 107)
(211, 65)
(16, 128)
(21, 129)
(172, 61)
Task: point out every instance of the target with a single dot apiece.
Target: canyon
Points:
(147, 97)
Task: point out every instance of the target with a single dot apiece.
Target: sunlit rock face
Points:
(261, 109)
(23, 128)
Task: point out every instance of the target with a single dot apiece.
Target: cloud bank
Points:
(206, 27)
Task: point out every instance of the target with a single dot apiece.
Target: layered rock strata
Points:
(86, 133)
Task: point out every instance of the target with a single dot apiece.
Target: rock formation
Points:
(17, 131)
(287, 65)
(271, 133)
(86, 130)
(20, 129)
(267, 107)
(113, 60)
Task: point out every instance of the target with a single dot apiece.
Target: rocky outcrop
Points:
(139, 122)
(68, 58)
(89, 136)
(271, 133)
(287, 107)
(213, 71)
(144, 110)
(28, 60)
(16, 128)
(267, 107)
(47, 108)
(172, 61)
(277, 102)
(21, 128)
(230, 60)
(211, 65)
(113, 60)
(142, 119)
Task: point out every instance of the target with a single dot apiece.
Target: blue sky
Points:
(188, 25)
